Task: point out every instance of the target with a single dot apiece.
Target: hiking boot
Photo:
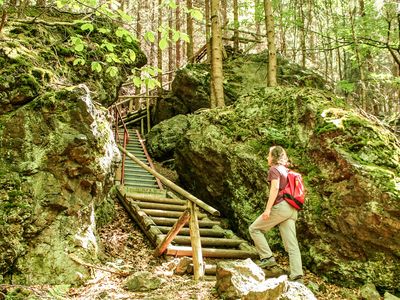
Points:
(267, 262)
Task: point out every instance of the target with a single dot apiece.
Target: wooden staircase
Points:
(157, 210)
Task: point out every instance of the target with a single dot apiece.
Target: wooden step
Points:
(211, 252)
(133, 178)
(172, 221)
(155, 198)
(168, 213)
(204, 232)
(207, 241)
(139, 185)
(161, 206)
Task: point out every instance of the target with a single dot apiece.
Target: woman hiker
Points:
(278, 212)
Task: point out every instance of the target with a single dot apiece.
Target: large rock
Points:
(245, 280)
(191, 86)
(57, 152)
(348, 230)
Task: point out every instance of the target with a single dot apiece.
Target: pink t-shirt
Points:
(280, 172)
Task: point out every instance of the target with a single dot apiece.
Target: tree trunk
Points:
(208, 30)
(170, 54)
(217, 98)
(269, 24)
(139, 33)
(236, 26)
(178, 42)
(159, 51)
(189, 31)
(224, 16)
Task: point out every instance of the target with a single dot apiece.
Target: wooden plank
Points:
(231, 235)
(171, 221)
(149, 205)
(198, 263)
(209, 241)
(205, 232)
(211, 252)
(172, 233)
(166, 213)
(154, 198)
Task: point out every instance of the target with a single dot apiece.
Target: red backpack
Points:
(294, 192)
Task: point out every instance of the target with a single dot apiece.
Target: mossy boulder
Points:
(35, 57)
(191, 86)
(348, 231)
(57, 151)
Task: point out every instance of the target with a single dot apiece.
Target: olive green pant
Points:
(285, 216)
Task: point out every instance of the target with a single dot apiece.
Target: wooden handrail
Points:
(172, 185)
(148, 158)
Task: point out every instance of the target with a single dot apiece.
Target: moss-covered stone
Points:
(350, 164)
(57, 152)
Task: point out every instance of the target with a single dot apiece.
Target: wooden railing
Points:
(117, 118)
(190, 214)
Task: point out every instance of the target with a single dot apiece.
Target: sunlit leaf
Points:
(163, 44)
(132, 55)
(149, 35)
(87, 26)
(184, 37)
(112, 57)
(112, 71)
(137, 81)
(104, 30)
(120, 32)
(79, 47)
(96, 66)
(175, 36)
(196, 14)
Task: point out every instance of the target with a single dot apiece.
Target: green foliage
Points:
(96, 66)
(346, 86)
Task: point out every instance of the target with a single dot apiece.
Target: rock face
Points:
(348, 230)
(57, 155)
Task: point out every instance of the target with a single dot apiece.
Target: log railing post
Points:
(172, 233)
(197, 255)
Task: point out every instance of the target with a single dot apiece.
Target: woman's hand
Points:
(266, 214)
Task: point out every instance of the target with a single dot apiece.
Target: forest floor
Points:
(128, 249)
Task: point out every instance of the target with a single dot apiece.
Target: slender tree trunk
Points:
(178, 42)
(3, 18)
(217, 77)
(269, 24)
(208, 30)
(282, 32)
(224, 16)
(189, 31)
(170, 54)
(139, 33)
(236, 26)
(303, 34)
(159, 51)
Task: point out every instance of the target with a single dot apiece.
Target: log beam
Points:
(172, 233)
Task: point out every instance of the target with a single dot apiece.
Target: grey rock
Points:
(368, 292)
(142, 282)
